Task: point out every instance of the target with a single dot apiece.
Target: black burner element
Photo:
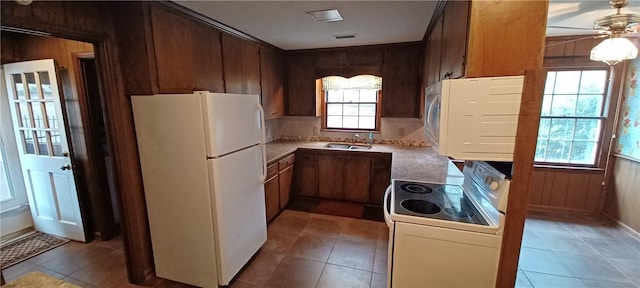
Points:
(415, 188)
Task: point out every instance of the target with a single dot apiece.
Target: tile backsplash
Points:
(401, 131)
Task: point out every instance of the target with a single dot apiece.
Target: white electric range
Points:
(447, 234)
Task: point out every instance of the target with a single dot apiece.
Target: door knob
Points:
(65, 154)
(65, 167)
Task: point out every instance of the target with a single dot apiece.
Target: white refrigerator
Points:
(203, 167)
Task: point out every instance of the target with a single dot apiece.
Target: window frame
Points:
(605, 127)
(353, 130)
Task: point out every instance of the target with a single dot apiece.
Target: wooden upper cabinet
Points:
(207, 53)
(173, 48)
(188, 54)
(434, 44)
(272, 82)
(494, 50)
(300, 84)
(241, 62)
(400, 80)
(454, 39)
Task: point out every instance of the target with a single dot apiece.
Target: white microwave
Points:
(474, 118)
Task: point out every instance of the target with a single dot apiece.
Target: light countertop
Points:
(408, 162)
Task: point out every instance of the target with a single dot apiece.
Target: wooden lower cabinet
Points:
(331, 167)
(277, 188)
(306, 172)
(342, 175)
(272, 197)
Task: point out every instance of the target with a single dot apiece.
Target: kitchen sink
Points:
(347, 146)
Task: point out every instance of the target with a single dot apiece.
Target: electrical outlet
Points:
(401, 131)
(315, 130)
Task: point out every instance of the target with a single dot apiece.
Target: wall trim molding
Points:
(635, 234)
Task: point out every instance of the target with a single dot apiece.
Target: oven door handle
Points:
(387, 210)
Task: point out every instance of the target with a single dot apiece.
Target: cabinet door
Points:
(435, 48)
(356, 178)
(454, 39)
(272, 82)
(207, 53)
(301, 84)
(271, 197)
(306, 173)
(331, 175)
(241, 65)
(173, 51)
(380, 178)
(400, 81)
(285, 178)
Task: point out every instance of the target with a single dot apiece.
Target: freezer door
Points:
(233, 122)
(239, 203)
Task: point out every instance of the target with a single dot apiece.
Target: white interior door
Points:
(39, 127)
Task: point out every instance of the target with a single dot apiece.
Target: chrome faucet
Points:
(355, 138)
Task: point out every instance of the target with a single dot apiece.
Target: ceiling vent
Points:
(330, 15)
(345, 36)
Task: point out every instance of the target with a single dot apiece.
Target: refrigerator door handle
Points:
(263, 177)
(263, 141)
(263, 137)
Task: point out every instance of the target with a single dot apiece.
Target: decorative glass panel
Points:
(33, 88)
(51, 115)
(24, 115)
(43, 147)
(56, 145)
(38, 117)
(27, 139)
(19, 86)
(45, 84)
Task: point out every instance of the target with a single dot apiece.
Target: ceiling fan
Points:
(618, 27)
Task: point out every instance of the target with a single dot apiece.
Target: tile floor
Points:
(315, 250)
(569, 250)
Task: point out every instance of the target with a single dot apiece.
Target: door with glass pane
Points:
(39, 127)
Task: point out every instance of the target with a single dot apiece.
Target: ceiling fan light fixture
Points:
(614, 50)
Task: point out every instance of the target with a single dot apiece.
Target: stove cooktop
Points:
(436, 201)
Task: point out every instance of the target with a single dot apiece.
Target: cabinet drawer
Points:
(286, 162)
(272, 170)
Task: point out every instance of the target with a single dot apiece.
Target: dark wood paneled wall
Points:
(566, 189)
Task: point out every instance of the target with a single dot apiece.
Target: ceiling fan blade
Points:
(573, 28)
(573, 40)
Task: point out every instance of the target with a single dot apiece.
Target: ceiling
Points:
(285, 24)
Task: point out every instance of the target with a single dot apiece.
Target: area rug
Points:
(38, 279)
(27, 247)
